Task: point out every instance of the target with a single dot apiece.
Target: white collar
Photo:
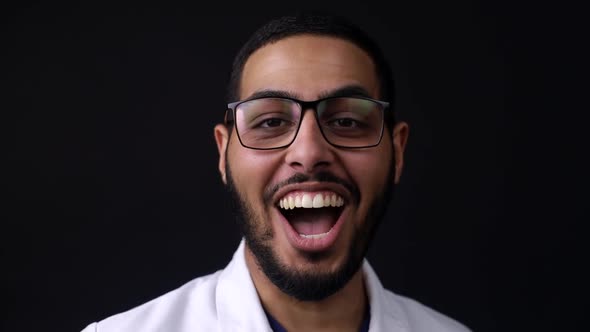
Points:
(239, 307)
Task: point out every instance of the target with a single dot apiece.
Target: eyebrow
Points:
(345, 91)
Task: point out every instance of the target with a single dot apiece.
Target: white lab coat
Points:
(227, 301)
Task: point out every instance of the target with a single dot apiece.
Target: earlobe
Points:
(400, 138)
(221, 138)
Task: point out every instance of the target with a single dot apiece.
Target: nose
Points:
(309, 152)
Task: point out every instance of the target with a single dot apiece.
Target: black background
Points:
(115, 198)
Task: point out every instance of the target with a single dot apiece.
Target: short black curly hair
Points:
(314, 23)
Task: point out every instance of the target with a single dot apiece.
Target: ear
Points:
(400, 138)
(221, 138)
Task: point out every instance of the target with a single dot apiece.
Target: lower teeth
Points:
(315, 236)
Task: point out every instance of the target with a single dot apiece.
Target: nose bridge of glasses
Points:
(310, 107)
(305, 106)
(309, 119)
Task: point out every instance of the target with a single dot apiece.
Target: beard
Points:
(306, 285)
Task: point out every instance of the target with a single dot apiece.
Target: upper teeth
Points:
(308, 200)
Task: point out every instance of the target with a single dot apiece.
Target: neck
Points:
(342, 311)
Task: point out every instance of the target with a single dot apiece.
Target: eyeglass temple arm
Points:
(228, 118)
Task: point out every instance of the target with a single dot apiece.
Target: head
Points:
(310, 206)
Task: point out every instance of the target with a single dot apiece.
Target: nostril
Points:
(312, 168)
(308, 155)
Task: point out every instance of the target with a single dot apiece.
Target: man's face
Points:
(310, 253)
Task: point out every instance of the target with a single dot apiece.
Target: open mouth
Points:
(312, 215)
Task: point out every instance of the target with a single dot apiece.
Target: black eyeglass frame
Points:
(305, 106)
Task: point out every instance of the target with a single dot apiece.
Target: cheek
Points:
(251, 170)
(370, 170)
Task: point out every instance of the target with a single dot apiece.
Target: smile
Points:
(310, 200)
(311, 217)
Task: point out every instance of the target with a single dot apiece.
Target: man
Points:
(310, 150)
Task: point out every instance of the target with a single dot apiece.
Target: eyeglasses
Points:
(273, 123)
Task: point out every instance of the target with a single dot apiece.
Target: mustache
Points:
(325, 177)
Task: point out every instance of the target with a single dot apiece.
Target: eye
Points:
(267, 120)
(345, 123)
(272, 123)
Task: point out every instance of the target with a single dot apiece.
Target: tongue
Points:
(312, 221)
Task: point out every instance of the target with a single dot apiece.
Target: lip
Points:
(312, 244)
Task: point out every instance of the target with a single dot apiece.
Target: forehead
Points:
(308, 66)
